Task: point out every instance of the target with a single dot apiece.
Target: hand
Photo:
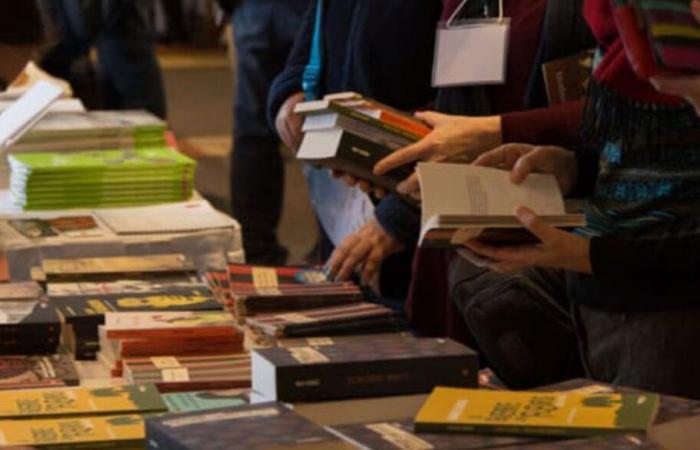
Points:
(288, 123)
(368, 247)
(364, 185)
(453, 139)
(522, 160)
(557, 249)
(687, 87)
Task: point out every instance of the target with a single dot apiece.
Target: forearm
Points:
(556, 125)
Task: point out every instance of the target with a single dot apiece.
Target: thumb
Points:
(432, 118)
(534, 224)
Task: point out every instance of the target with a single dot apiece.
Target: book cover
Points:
(123, 432)
(164, 325)
(204, 400)
(362, 369)
(23, 318)
(259, 427)
(562, 414)
(77, 401)
(567, 79)
(25, 372)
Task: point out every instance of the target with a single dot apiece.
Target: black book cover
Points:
(38, 319)
(363, 369)
(259, 427)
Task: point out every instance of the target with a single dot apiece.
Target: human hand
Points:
(367, 248)
(453, 139)
(687, 87)
(523, 159)
(557, 249)
(289, 123)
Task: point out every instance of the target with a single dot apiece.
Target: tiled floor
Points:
(199, 85)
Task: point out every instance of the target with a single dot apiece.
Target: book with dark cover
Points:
(29, 328)
(349, 153)
(26, 372)
(260, 427)
(399, 435)
(362, 369)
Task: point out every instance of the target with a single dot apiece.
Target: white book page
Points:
(25, 112)
(460, 189)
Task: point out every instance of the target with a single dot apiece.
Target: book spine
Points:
(374, 379)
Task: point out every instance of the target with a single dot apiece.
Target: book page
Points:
(25, 112)
(460, 189)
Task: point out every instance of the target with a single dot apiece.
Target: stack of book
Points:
(360, 318)
(28, 372)
(107, 178)
(351, 133)
(29, 325)
(352, 368)
(83, 290)
(77, 417)
(255, 290)
(176, 350)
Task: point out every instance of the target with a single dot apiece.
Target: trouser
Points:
(129, 76)
(264, 31)
(531, 335)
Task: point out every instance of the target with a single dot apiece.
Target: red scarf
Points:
(614, 72)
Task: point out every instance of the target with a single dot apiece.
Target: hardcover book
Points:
(77, 401)
(259, 427)
(25, 372)
(362, 369)
(554, 414)
(483, 207)
(360, 318)
(124, 432)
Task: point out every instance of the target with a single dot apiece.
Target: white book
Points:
(19, 118)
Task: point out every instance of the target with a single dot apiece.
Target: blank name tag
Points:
(471, 53)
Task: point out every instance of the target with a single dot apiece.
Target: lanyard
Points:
(311, 79)
(463, 4)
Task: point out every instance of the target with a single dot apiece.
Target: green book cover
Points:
(204, 400)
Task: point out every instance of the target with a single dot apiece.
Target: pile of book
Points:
(105, 178)
(351, 133)
(29, 325)
(176, 350)
(83, 290)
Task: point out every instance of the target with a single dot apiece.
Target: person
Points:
(630, 273)
(21, 34)
(382, 50)
(264, 31)
(128, 74)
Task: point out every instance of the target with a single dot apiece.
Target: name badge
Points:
(471, 53)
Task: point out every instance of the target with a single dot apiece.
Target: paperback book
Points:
(27, 372)
(115, 267)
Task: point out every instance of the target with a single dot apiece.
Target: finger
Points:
(432, 118)
(372, 264)
(365, 186)
(358, 253)
(523, 167)
(341, 253)
(535, 225)
(409, 186)
(295, 125)
(400, 157)
(503, 157)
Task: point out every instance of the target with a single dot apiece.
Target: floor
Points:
(199, 86)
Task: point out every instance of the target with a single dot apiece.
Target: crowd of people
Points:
(612, 301)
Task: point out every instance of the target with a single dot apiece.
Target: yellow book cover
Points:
(127, 431)
(563, 414)
(61, 402)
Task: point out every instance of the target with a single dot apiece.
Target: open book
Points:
(463, 202)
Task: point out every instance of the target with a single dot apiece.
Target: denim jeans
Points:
(264, 31)
(129, 76)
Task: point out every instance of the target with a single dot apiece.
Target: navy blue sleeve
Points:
(400, 219)
(289, 81)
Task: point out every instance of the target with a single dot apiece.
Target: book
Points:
(16, 120)
(153, 285)
(322, 341)
(170, 325)
(90, 269)
(462, 202)
(28, 327)
(79, 401)
(204, 400)
(360, 318)
(566, 79)
(20, 291)
(26, 372)
(257, 289)
(190, 373)
(362, 369)
(258, 427)
(69, 226)
(124, 432)
(554, 414)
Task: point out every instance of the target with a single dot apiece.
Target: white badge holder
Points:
(471, 52)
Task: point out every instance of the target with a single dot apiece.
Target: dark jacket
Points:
(380, 48)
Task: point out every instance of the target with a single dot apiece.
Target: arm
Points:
(399, 219)
(556, 125)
